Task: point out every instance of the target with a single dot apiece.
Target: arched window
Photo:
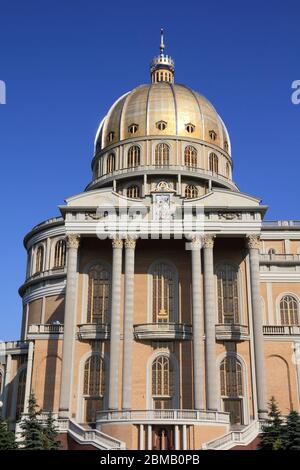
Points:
(191, 191)
(133, 191)
(39, 260)
(162, 383)
(93, 387)
(134, 158)
(228, 302)
(60, 254)
(231, 381)
(21, 394)
(227, 170)
(289, 310)
(98, 295)
(110, 163)
(213, 163)
(190, 156)
(272, 251)
(162, 154)
(231, 378)
(163, 293)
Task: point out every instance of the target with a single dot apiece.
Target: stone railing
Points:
(280, 224)
(163, 331)
(231, 331)
(234, 438)
(44, 329)
(94, 437)
(93, 331)
(13, 347)
(173, 416)
(286, 330)
(48, 273)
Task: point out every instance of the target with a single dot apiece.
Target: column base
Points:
(262, 414)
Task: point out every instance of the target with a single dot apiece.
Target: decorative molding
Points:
(73, 240)
(230, 215)
(253, 241)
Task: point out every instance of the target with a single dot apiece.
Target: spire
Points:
(162, 66)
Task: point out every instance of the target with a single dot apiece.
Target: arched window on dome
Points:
(98, 295)
(39, 259)
(93, 387)
(162, 154)
(21, 393)
(191, 191)
(228, 300)
(227, 169)
(190, 156)
(162, 383)
(272, 251)
(133, 191)
(60, 254)
(213, 163)
(163, 293)
(289, 310)
(110, 163)
(134, 156)
(232, 388)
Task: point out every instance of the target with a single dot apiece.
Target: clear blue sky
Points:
(65, 62)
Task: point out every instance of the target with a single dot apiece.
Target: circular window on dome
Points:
(212, 135)
(161, 125)
(133, 128)
(190, 127)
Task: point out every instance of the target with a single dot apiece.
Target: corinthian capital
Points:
(208, 241)
(253, 241)
(73, 240)
(196, 243)
(117, 242)
(130, 242)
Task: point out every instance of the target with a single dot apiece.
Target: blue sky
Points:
(64, 62)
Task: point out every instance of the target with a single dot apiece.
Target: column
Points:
(5, 413)
(177, 438)
(184, 437)
(149, 437)
(257, 321)
(117, 245)
(197, 316)
(128, 322)
(69, 326)
(141, 438)
(210, 321)
(28, 376)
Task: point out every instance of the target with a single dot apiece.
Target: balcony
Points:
(231, 332)
(163, 416)
(281, 330)
(280, 259)
(93, 331)
(163, 331)
(44, 331)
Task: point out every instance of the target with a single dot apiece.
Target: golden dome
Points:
(162, 109)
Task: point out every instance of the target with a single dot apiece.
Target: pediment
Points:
(224, 198)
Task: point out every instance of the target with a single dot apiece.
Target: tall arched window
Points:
(21, 393)
(228, 302)
(134, 156)
(289, 310)
(93, 387)
(39, 259)
(98, 295)
(163, 293)
(60, 254)
(213, 163)
(133, 191)
(110, 163)
(162, 154)
(191, 191)
(231, 381)
(162, 383)
(190, 156)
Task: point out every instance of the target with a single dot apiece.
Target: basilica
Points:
(160, 309)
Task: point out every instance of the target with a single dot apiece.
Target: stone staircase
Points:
(88, 436)
(241, 437)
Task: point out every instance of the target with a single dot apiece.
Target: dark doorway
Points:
(234, 407)
(162, 438)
